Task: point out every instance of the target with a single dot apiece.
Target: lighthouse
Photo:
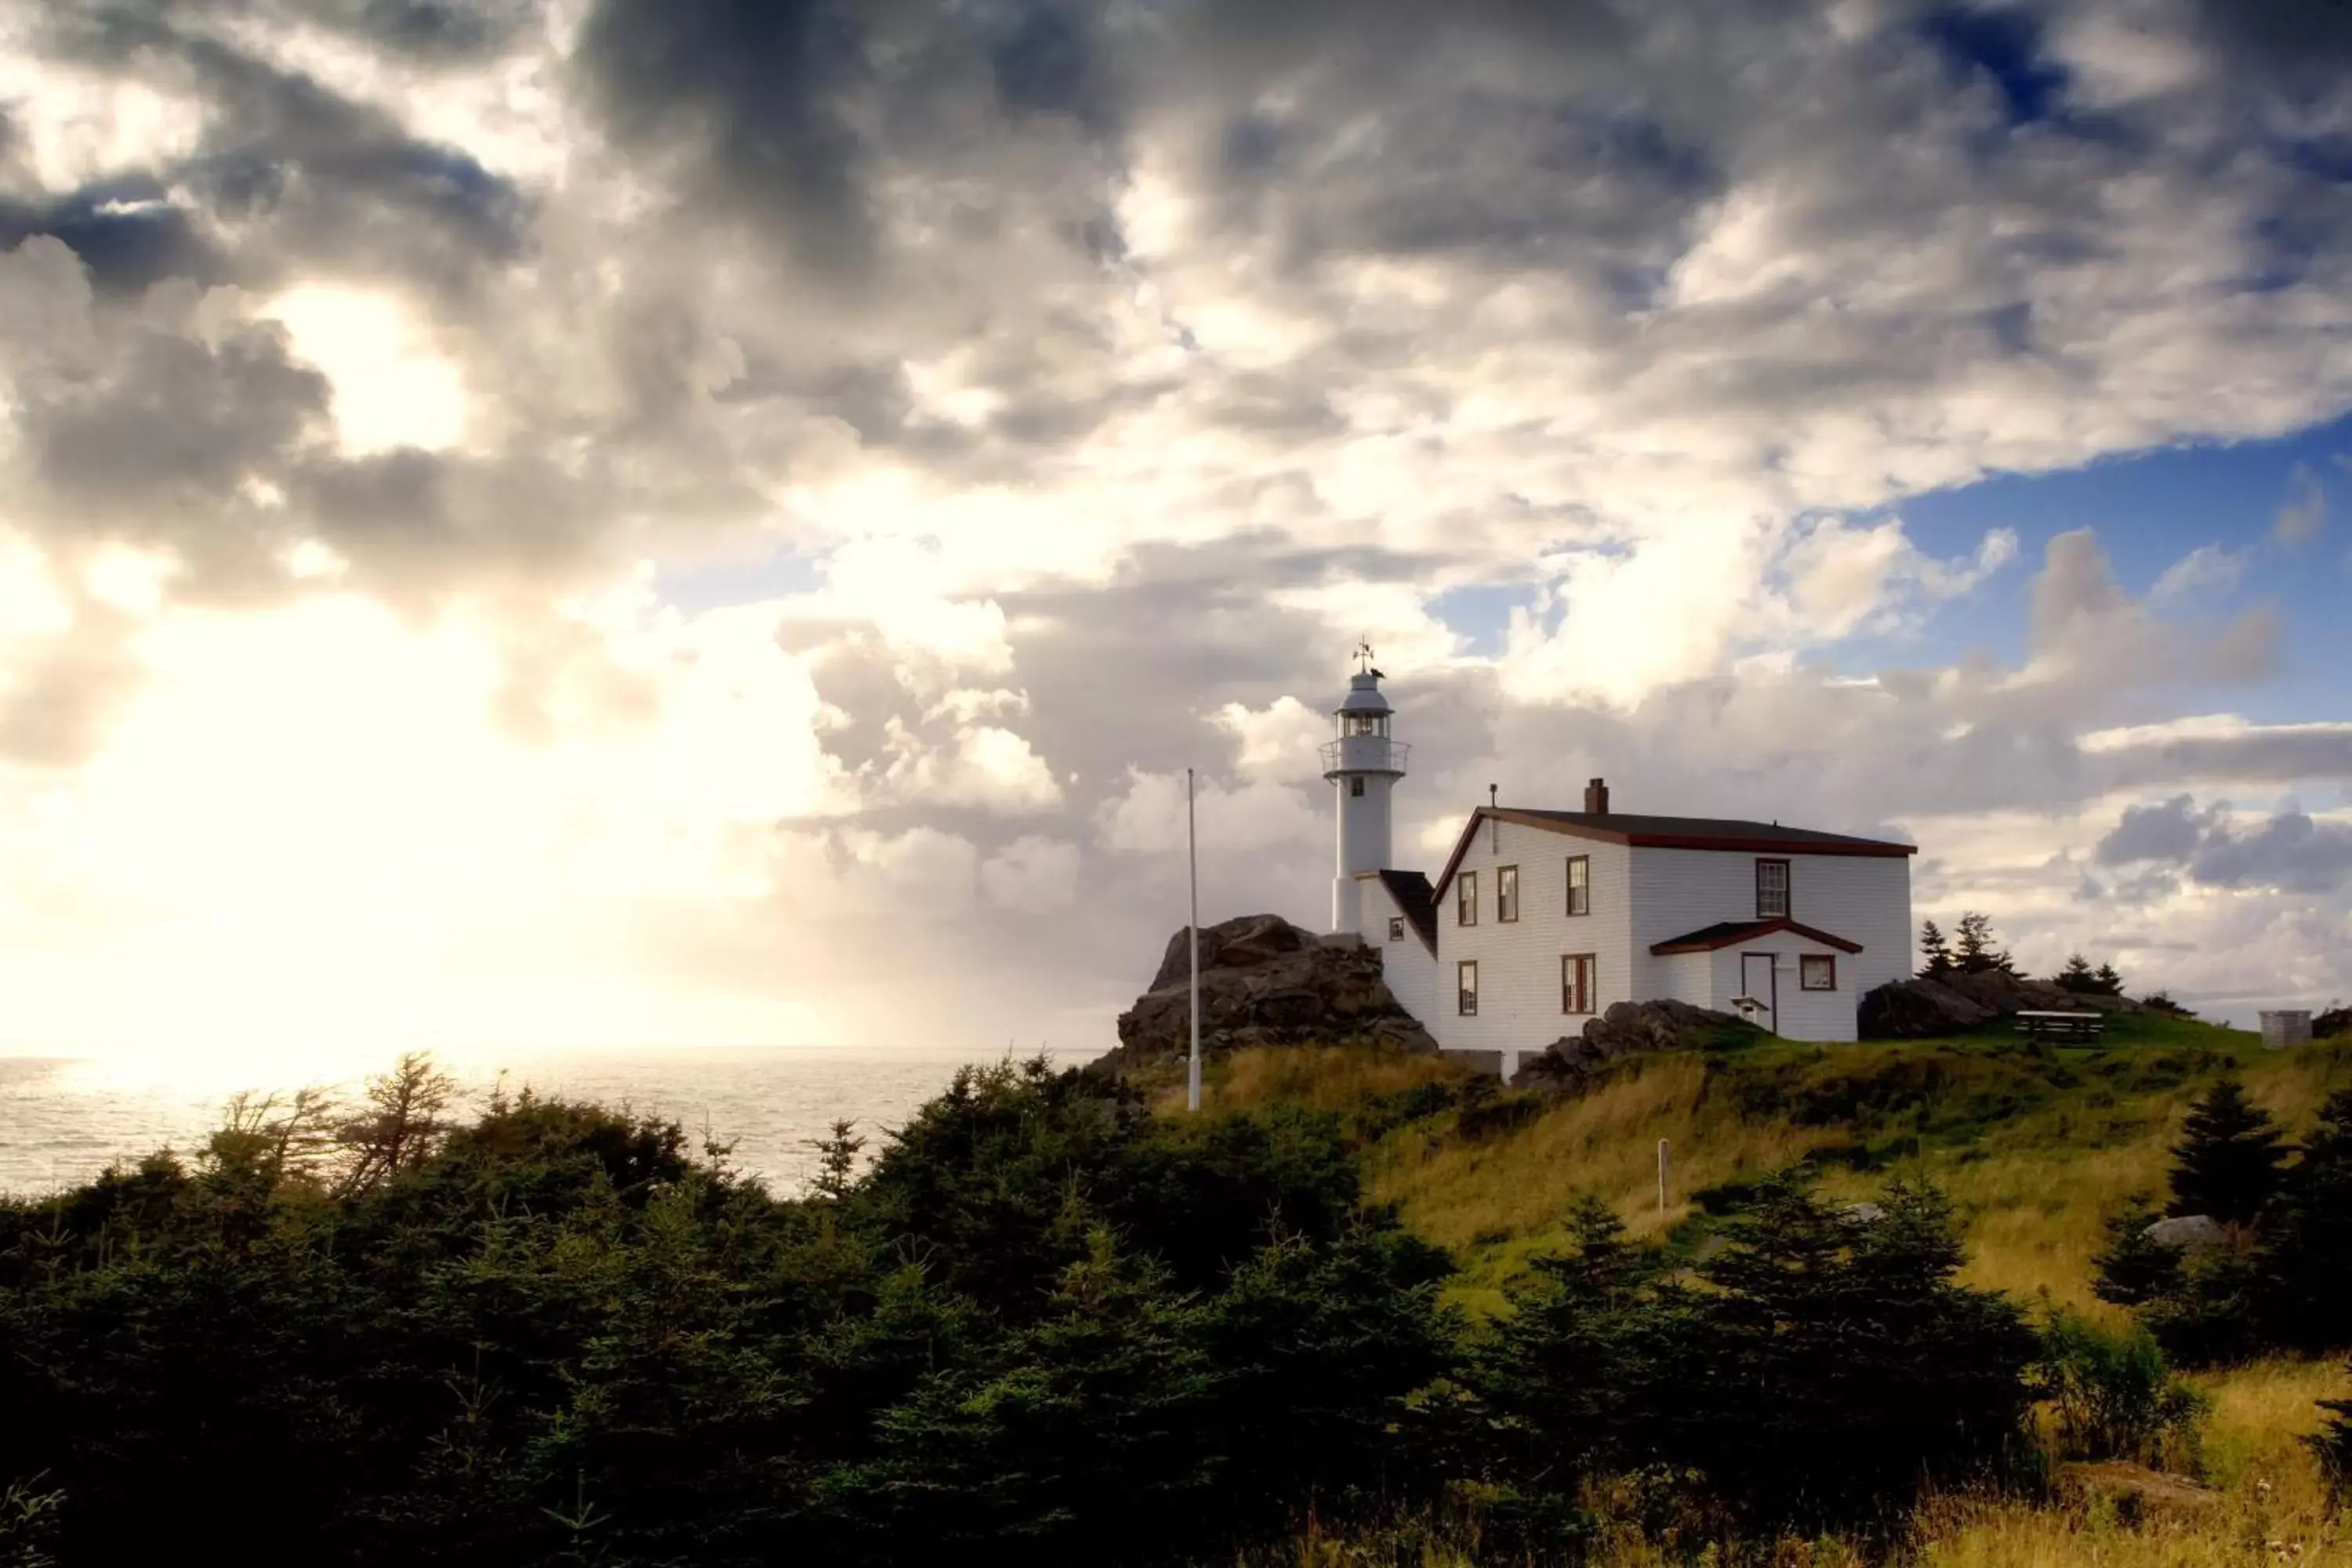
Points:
(1363, 763)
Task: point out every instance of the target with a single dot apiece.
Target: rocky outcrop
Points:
(1628, 1027)
(1957, 1003)
(1264, 982)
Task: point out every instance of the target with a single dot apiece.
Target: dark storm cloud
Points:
(2281, 756)
(1046, 58)
(751, 95)
(126, 230)
(432, 30)
(2168, 832)
(1696, 232)
(159, 447)
(309, 178)
(2305, 45)
(2287, 852)
(415, 525)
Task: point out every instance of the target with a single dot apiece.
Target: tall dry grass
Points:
(1335, 1077)
(2033, 1190)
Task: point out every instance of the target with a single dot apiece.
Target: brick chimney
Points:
(1596, 798)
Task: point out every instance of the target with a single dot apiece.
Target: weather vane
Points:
(1364, 653)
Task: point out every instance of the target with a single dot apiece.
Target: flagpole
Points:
(1192, 873)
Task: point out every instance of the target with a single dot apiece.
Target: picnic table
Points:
(2060, 1026)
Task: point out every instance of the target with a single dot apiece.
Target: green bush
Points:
(1043, 1322)
(2113, 1396)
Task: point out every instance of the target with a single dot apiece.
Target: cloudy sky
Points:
(651, 521)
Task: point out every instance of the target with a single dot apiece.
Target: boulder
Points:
(1264, 982)
(2188, 1233)
(1918, 1010)
(2134, 1489)
(1628, 1027)
(1245, 942)
(1958, 1002)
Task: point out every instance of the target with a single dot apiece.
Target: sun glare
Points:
(392, 389)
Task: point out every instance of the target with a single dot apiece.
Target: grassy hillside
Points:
(2036, 1143)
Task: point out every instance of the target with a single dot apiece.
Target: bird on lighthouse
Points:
(1364, 762)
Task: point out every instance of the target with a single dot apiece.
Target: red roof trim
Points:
(1870, 848)
(1715, 937)
(1763, 846)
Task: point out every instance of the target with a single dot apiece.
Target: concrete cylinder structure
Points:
(1363, 762)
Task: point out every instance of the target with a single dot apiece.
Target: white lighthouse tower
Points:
(1364, 764)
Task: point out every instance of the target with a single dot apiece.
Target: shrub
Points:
(2112, 1394)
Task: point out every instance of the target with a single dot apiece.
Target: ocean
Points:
(64, 1118)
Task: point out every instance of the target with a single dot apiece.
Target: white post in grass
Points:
(1192, 873)
(1662, 1175)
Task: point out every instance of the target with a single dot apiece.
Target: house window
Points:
(1576, 982)
(1356, 785)
(1817, 972)
(1579, 885)
(1466, 989)
(1771, 889)
(1507, 892)
(1465, 898)
(1396, 928)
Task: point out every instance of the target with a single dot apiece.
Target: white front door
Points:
(1756, 979)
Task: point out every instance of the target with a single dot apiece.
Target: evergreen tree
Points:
(836, 1161)
(2227, 1163)
(2332, 1445)
(2109, 982)
(2306, 1253)
(2078, 976)
(1566, 1370)
(2134, 1269)
(1975, 950)
(1935, 950)
(1836, 1362)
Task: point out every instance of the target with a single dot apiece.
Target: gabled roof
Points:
(1414, 901)
(1731, 933)
(1727, 834)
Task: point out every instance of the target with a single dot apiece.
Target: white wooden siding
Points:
(1803, 1014)
(1639, 897)
(1518, 962)
(1408, 967)
(1862, 897)
(1689, 977)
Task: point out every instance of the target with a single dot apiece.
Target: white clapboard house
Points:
(1541, 919)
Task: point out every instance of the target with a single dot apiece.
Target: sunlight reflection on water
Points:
(63, 1119)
